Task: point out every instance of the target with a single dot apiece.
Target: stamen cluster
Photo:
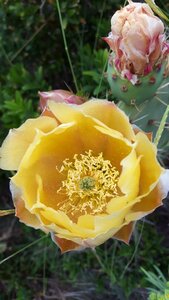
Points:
(91, 182)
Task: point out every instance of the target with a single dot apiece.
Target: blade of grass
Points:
(6, 55)
(27, 42)
(157, 10)
(102, 76)
(6, 212)
(161, 276)
(22, 249)
(134, 253)
(66, 46)
(99, 23)
(103, 266)
(44, 268)
(154, 280)
(161, 127)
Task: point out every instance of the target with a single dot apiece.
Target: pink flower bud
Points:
(137, 39)
(59, 96)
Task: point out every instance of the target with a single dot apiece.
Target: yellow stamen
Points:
(91, 182)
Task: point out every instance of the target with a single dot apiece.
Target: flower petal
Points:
(124, 234)
(109, 114)
(147, 205)
(21, 212)
(128, 183)
(148, 134)
(105, 112)
(46, 152)
(152, 200)
(10, 153)
(150, 169)
(65, 245)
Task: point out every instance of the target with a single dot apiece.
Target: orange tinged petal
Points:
(20, 211)
(124, 234)
(65, 245)
(150, 202)
(25, 216)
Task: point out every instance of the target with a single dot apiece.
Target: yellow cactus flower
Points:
(82, 173)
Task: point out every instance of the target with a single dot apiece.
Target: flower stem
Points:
(66, 46)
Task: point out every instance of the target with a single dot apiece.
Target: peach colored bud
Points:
(137, 39)
(59, 96)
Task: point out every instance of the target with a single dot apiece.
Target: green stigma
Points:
(87, 183)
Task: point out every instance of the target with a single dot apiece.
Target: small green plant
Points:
(160, 283)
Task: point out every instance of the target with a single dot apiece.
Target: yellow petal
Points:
(46, 153)
(113, 221)
(129, 179)
(103, 111)
(65, 113)
(150, 169)
(61, 224)
(18, 140)
(128, 183)
(108, 113)
(86, 221)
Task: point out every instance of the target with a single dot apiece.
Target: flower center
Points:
(87, 183)
(91, 181)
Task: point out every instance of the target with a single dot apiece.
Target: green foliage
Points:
(161, 286)
(19, 96)
(94, 66)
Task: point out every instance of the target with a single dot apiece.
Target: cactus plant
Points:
(138, 68)
(148, 116)
(134, 94)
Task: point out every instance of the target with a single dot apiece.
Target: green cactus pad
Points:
(143, 90)
(149, 114)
